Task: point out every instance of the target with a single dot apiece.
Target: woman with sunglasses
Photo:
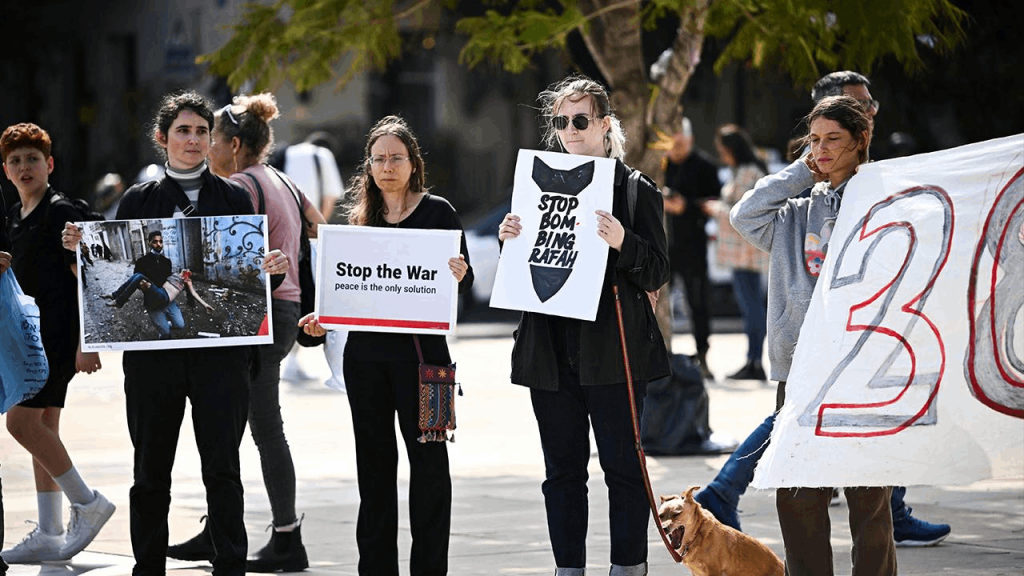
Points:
(575, 369)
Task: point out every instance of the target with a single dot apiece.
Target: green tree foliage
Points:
(301, 40)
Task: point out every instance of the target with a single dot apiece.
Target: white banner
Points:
(387, 279)
(556, 266)
(910, 364)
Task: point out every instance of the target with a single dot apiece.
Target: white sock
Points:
(75, 488)
(51, 513)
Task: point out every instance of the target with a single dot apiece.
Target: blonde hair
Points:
(248, 119)
(575, 88)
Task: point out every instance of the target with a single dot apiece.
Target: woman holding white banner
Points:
(382, 370)
(575, 369)
(796, 232)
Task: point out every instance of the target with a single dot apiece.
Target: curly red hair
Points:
(24, 135)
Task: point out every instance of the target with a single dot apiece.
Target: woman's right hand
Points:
(5, 261)
(71, 236)
(510, 227)
(819, 176)
(310, 325)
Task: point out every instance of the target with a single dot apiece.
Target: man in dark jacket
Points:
(691, 178)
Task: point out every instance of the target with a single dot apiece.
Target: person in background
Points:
(690, 180)
(313, 168)
(575, 369)
(107, 195)
(5, 263)
(242, 139)
(47, 273)
(747, 263)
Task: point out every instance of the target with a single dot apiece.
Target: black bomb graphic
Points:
(553, 254)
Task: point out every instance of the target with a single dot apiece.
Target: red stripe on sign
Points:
(385, 323)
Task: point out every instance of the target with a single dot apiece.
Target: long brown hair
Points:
(366, 207)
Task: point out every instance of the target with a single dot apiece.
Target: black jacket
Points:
(641, 265)
(156, 199)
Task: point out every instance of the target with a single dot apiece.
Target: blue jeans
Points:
(154, 298)
(564, 418)
(737, 473)
(746, 285)
(166, 318)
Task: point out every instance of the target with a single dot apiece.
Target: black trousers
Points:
(564, 418)
(156, 384)
(376, 391)
(693, 269)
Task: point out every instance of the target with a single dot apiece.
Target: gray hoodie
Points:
(796, 232)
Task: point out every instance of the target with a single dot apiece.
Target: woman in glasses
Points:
(575, 369)
(382, 371)
(242, 140)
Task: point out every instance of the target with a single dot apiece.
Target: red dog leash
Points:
(636, 429)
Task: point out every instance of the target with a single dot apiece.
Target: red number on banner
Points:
(879, 324)
(993, 365)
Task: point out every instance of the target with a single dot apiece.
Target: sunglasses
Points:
(227, 109)
(580, 121)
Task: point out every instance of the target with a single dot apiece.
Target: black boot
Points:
(198, 548)
(284, 553)
(752, 370)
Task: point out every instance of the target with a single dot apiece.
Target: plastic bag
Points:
(334, 351)
(23, 365)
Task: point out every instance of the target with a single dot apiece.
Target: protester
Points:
(575, 369)
(47, 273)
(242, 138)
(771, 217)
(214, 380)
(747, 263)
(721, 496)
(691, 179)
(382, 375)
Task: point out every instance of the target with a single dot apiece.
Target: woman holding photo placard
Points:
(214, 380)
(382, 370)
(575, 369)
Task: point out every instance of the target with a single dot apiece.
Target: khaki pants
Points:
(807, 528)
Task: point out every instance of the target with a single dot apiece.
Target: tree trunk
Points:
(614, 42)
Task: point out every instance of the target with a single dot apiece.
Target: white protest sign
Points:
(909, 368)
(387, 279)
(556, 266)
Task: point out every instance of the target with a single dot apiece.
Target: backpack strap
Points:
(319, 178)
(262, 208)
(631, 192)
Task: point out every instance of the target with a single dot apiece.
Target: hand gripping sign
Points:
(556, 266)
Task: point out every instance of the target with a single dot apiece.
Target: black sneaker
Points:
(198, 548)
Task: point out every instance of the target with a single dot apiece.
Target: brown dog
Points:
(710, 548)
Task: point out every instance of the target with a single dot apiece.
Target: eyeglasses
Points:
(867, 105)
(580, 121)
(227, 110)
(382, 161)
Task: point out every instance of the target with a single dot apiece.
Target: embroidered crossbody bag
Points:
(437, 389)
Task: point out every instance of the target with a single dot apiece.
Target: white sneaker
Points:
(38, 546)
(85, 524)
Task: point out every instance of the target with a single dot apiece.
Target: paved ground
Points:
(498, 522)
